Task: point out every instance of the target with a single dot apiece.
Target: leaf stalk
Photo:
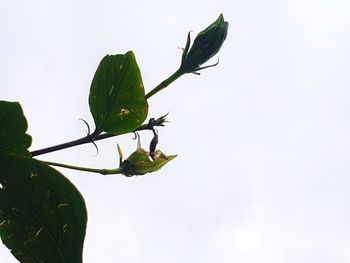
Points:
(165, 83)
(86, 169)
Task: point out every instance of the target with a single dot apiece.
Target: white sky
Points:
(262, 173)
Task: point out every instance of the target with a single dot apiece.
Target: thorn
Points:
(87, 125)
(89, 134)
(95, 147)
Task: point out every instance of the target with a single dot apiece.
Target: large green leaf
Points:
(13, 127)
(117, 97)
(42, 215)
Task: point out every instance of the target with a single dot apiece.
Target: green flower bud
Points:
(207, 43)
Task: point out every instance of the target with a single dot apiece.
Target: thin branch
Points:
(96, 137)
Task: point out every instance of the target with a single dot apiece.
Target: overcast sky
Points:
(263, 166)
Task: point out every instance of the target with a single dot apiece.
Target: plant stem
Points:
(165, 83)
(84, 140)
(86, 169)
(95, 137)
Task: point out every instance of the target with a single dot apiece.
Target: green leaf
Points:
(42, 215)
(13, 127)
(139, 163)
(117, 97)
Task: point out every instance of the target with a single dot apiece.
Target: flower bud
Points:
(207, 43)
(139, 163)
